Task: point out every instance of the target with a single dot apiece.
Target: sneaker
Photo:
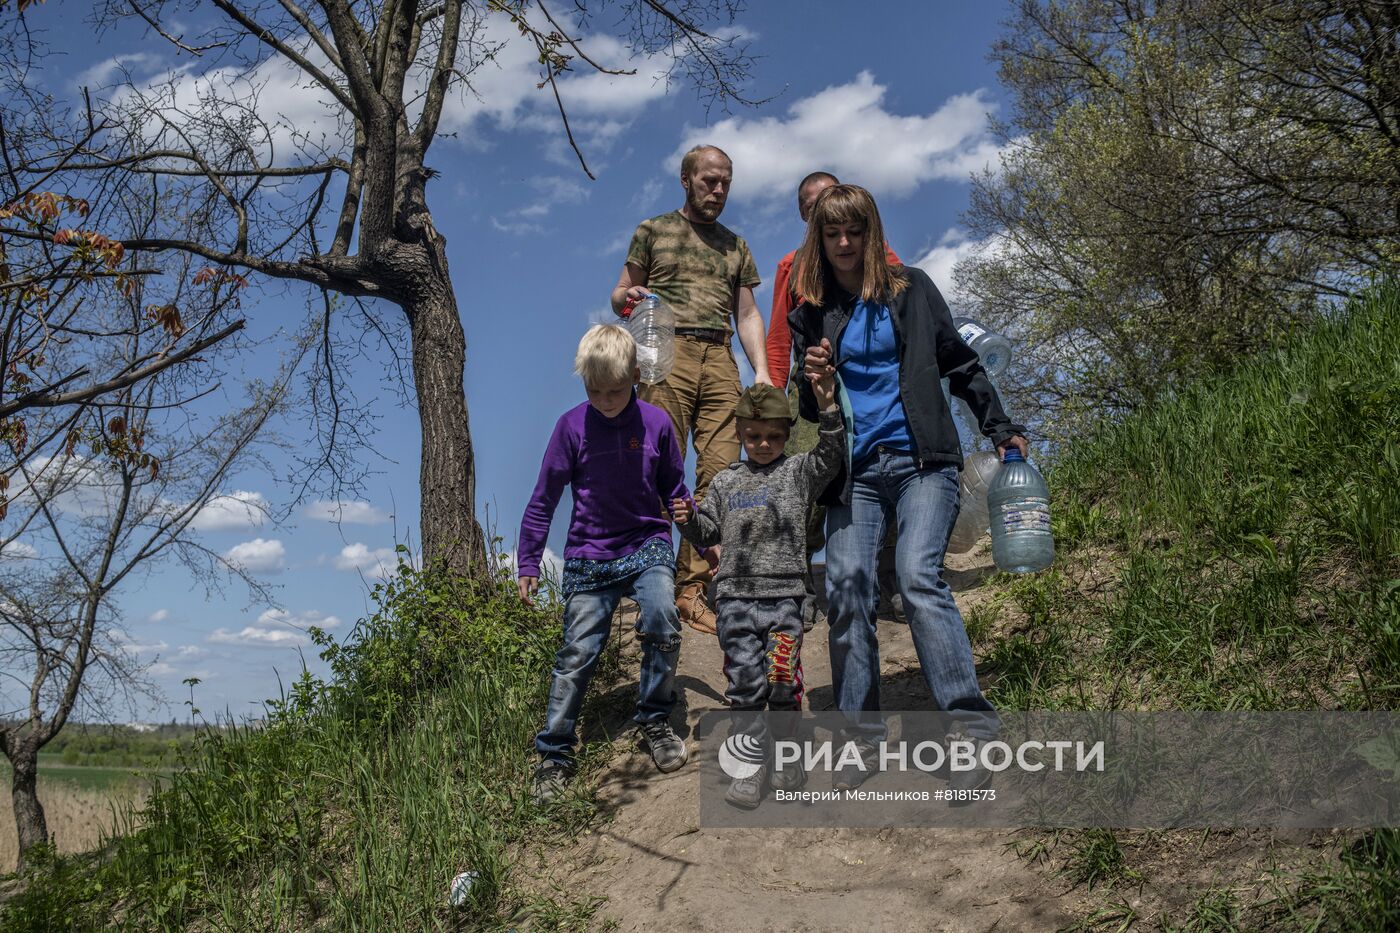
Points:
(695, 611)
(667, 749)
(974, 778)
(791, 777)
(848, 776)
(746, 793)
(550, 779)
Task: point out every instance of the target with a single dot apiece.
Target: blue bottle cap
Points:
(1013, 456)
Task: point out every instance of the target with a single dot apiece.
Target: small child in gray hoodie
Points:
(757, 510)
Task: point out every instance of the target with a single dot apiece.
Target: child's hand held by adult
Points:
(818, 362)
(680, 511)
(824, 388)
(711, 555)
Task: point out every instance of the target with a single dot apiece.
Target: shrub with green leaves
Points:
(357, 800)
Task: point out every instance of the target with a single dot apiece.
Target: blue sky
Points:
(897, 102)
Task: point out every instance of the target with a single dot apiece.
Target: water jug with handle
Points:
(979, 469)
(992, 348)
(1019, 506)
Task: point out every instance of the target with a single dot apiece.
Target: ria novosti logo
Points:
(741, 756)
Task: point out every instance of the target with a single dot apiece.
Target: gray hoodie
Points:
(759, 514)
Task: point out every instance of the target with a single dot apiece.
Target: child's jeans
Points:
(762, 643)
(587, 622)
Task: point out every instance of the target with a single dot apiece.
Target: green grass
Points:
(359, 799)
(93, 777)
(1253, 528)
(1236, 547)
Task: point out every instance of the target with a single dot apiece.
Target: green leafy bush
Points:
(357, 799)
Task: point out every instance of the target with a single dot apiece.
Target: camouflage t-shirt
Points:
(694, 268)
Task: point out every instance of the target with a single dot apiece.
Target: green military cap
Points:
(763, 402)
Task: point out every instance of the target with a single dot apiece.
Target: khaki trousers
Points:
(700, 395)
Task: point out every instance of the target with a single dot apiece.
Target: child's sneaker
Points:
(550, 779)
(746, 793)
(791, 777)
(667, 749)
(848, 775)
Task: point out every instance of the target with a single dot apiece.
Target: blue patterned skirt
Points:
(582, 574)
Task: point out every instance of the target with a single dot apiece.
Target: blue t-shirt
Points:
(869, 368)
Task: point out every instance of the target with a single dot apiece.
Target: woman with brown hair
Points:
(887, 334)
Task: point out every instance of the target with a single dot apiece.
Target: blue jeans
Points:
(924, 504)
(587, 622)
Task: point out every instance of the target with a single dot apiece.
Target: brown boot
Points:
(694, 611)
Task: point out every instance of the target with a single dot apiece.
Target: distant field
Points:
(79, 803)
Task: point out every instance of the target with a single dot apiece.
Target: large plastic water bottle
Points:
(978, 472)
(1019, 503)
(993, 349)
(653, 326)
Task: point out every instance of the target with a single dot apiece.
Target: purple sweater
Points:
(620, 470)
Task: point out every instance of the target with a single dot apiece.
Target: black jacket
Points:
(930, 349)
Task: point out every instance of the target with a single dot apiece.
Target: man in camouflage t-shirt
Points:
(706, 274)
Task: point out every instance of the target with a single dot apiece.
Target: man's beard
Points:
(702, 210)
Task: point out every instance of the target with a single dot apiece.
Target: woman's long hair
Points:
(846, 204)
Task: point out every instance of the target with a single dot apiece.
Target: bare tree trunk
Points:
(452, 537)
(29, 813)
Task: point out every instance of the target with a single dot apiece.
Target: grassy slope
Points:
(358, 802)
(1236, 548)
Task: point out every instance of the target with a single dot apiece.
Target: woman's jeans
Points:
(889, 485)
(587, 622)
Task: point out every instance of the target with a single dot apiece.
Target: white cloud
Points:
(166, 669)
(505, 88)
(70, 486)
(160, 615)
(593, 93)
(297, 112)
(348, 513)
(941, 259)
(274, 628)
(551, 566)
(18, 550)
(649, 194)
(138, 648)
(291, 106)
(104, 72)
(520, 228)
(258, 556)
(301, 620)
(251, 636)
(554, 190)
(955, 246)
(232, 511)
(380, 562)
(190, 652)
(845, 129)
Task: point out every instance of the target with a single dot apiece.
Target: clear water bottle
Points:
(978, 472)
(993, 349)
(653, 326)
(1019, 504)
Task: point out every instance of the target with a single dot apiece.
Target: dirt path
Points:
(661, 871)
